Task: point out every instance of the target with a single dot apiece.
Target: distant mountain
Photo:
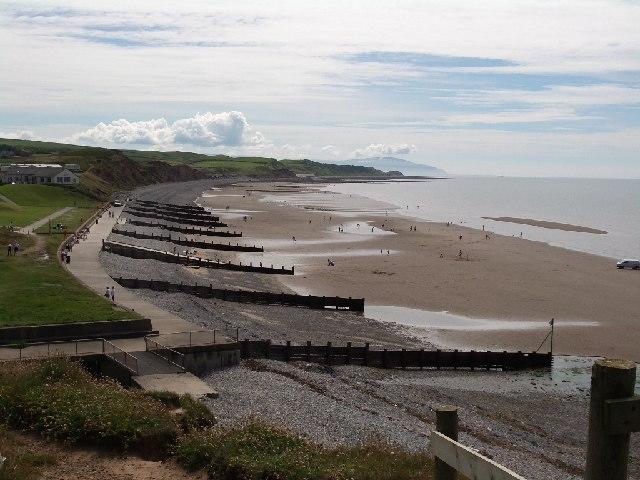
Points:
(395, 164)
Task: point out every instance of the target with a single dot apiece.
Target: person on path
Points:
(107, 293)
(68, 258)
(113, 293)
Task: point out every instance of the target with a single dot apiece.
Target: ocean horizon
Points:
(610, 205)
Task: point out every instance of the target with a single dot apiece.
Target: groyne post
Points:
(447, 424)
(613, 414)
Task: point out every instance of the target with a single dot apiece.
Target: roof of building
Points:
(49, 171)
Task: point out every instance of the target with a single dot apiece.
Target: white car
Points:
(626, 263)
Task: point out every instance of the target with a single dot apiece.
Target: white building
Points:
(51, 174)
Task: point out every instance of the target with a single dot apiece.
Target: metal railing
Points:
(198, 337)
(167, 353)
(120, 356)
(76, 347)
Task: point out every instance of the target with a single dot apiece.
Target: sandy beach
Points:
(502, 290)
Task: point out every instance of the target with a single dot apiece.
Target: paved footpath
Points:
(30, 228)
(85, 265)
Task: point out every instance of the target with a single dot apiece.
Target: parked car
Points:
(626, 263)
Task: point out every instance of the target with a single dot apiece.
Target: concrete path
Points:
(179, 383)
(30, 228)
(8, 200)
(85, 265)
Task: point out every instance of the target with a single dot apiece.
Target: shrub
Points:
(60, 400)
(194, 415)
(259, 451)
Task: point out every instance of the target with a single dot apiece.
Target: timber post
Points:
(447, 424)
(613, 414)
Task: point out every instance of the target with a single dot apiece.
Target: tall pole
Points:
(552, 322)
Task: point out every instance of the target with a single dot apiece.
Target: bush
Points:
(194, 415)
(60, 400)
(259, 451)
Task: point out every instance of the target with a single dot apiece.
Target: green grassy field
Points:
(37, 201)
(36, 290)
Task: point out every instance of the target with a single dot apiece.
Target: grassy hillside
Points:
(21, 205)
(107, 169)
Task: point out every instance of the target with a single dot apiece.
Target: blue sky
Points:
(549, 88)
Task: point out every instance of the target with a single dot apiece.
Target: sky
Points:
(492, 87)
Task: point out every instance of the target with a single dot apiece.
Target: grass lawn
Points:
(71, 220)
(36, 290)
(37, 201)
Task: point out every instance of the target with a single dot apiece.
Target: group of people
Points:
(65, 254)
(13, 248)
(110, 294)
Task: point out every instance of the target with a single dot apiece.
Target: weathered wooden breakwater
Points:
(172, 206)
(134, 251)
(189, 242)
(184, 229)
(245, 296)
(205, 216)
(403, 358)
(168, 218)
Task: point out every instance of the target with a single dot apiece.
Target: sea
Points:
(611, 205)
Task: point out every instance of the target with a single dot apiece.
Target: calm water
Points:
(610, 205)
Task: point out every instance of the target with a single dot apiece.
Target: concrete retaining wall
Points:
(69, 331)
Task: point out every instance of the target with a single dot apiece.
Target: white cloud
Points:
(204, 130)
(512, 116)
(20, 135)
(331, 150)
(382, 149)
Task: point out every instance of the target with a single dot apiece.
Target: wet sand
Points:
(567, 227)
(499, 279)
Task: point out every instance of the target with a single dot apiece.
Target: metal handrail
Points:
(125, 355)
(217, 333)
(168, 358)
(130, 362)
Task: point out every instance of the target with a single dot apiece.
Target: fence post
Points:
(287, 353)
(608, 453)
(308, 351)
(348, 359)
(327, 354)
(366, 354)
(447, 424)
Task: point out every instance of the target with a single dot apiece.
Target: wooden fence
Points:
(614, 413)
(245, 296)
(168, 218)
(134, 251)
(363, 355)
(174, 213)
(188, 242)
(184, 229)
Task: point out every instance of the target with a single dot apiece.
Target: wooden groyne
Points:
(188, 242)
(184, 229)
(134, 251)
(205, 216)
(364, 355)
(168, 218)
(245, 296)
(173, 206)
